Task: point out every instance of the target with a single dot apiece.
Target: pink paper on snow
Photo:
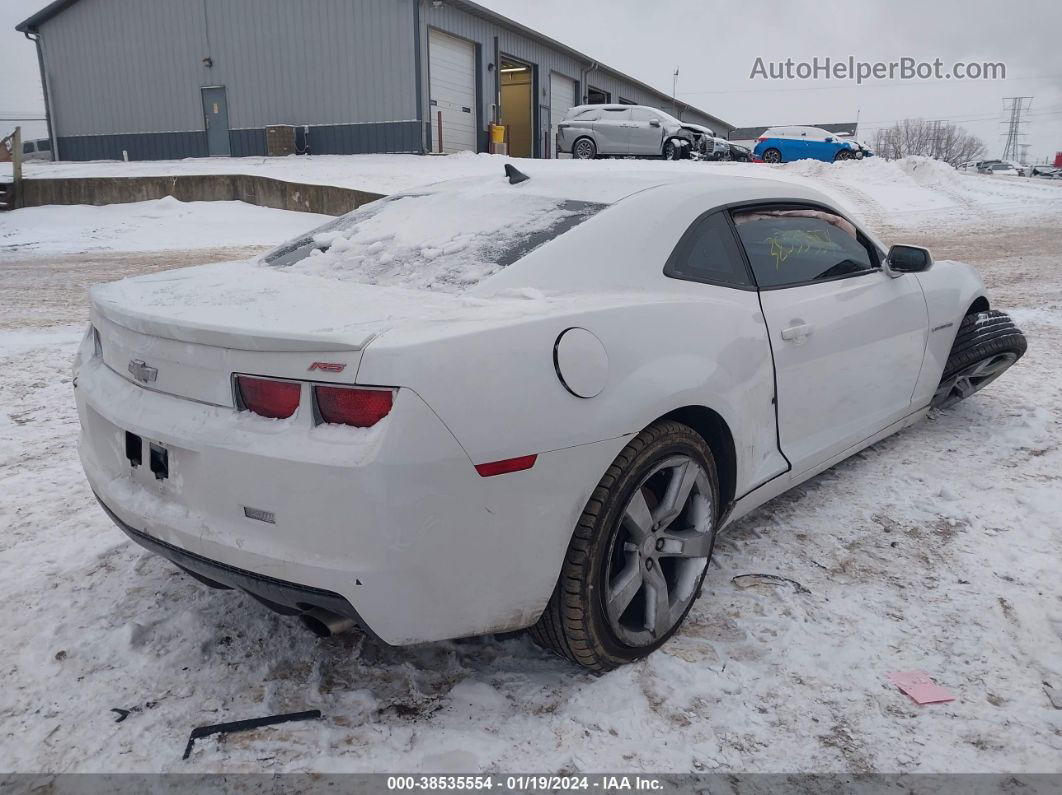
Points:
(920, 687)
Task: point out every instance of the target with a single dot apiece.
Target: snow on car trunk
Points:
(195, 327)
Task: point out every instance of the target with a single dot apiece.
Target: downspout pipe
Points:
(418, 65)
(583, 80)
(36, 39)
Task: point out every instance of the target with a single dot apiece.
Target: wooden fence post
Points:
(16, 165)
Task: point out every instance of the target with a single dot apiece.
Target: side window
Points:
(709, 253)
(644, 114)
(796, 246)
(588, 115)
(616, 114)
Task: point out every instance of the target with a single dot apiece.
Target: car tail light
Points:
(505, 466)
(761, 139)
(344, 405)
(268, 397)
(97, 343)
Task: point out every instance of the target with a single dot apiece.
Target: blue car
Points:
(786, 144)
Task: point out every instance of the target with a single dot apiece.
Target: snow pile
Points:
(157, 225)
(910, 193)
(444, 241)
(928, 172)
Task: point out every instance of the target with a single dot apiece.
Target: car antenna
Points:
(515, 175)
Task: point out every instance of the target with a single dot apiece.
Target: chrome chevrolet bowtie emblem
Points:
(141, 372)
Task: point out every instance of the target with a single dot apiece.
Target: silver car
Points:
(590, 131)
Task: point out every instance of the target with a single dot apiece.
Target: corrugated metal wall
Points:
(125, 66)
(125, 75)
(136, 66)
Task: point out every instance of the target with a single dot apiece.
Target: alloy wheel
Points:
(584, 149)
(973, 378)
(659, 550)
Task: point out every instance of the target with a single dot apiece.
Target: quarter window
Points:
(796, 246)
(709, 253)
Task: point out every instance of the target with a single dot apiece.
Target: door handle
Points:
(797, 332)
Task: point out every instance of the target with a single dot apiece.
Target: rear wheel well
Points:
(980, 304)
(713, 429)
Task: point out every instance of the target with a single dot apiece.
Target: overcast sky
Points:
(715, 44)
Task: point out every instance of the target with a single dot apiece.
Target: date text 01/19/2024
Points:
(524, 783)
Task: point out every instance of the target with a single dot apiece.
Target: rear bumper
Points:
(392, 526)
(283, 597)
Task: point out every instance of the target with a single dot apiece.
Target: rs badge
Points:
(328, 367)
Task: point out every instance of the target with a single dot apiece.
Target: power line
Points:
(881, 124)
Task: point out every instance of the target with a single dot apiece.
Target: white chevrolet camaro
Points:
(504, 403)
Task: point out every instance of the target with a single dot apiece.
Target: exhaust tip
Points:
(324, 624)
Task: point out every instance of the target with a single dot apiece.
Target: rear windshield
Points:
(446, 241)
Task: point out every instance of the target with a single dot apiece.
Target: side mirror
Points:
(908, 259)
(829, 140)
(654, 122)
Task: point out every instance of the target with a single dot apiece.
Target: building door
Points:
(517, 109)
(216, 113)
(561, 100)
(451, 93)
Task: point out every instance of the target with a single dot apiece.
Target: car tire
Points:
(772, 156)
(587, 620)
(986, 345)
(671, 150)
(584, 149)
(843, 154)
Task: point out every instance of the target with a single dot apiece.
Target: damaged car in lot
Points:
(429, 421)
(592, 131)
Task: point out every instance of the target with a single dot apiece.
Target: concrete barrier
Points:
(250, 188)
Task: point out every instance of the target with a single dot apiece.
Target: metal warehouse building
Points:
(163, 79)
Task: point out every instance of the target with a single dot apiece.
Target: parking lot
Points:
(935, 549)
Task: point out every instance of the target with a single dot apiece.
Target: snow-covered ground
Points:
(918, 185)
(938, 549)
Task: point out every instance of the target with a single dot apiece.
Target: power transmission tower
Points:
(1014, 107)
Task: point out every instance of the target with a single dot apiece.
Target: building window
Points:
(595, 96)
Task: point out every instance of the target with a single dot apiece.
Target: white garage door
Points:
(452, 90)
(561, 100)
